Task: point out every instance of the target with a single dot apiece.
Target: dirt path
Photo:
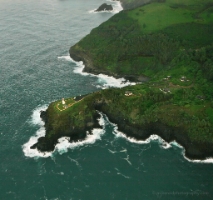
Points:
(67, 106)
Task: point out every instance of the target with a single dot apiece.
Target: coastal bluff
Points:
(171, 64)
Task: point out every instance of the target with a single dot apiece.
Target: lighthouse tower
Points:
(62, 101)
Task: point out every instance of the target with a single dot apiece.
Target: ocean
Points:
(35, 69)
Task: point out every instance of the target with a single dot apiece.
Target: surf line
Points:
(120, 83)
(105, 80)
(161, 142)
(63, 143)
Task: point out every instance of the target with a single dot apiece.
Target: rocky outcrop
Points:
(104, 7)
(74, 134)
(193, 150)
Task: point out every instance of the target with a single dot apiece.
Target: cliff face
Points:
(138, 116)
(193, 150)
(59, 124)
(175, 104)
(90, 67)
(87, 60)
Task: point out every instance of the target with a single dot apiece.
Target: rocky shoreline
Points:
(48, 143)
(80, 122)
(193, 151)
(90, 68)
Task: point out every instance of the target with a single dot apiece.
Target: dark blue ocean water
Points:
(35, 36)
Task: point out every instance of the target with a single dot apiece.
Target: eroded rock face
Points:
(104, 7)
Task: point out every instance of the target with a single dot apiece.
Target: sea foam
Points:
(162, 143)
(63, 143)
(36, 121)
(116, 8)
(104, 81)
(118, 83)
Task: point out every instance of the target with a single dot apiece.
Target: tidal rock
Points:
(104, 7)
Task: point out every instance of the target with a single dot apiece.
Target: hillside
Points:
(148, 39)
(168, 45)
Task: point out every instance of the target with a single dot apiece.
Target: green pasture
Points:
(158, 16)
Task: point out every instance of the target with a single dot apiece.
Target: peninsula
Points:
(166, 46)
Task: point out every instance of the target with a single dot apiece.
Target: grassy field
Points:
(186, 19)
(150, 38)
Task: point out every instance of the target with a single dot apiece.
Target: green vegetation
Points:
(171, 42)
(148, 104)
(130, 4)
(149, 38)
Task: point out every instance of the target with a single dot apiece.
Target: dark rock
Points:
(48, 143)
(193, 150)
(43, 116)
(104, 7)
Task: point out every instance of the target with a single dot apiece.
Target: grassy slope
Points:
(158, 31)
(158, 40)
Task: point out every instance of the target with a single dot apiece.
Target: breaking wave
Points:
(63, 143)
(104, 81)
(162, 143)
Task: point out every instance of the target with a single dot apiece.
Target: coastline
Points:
(162, 143)
(64, 143)
(190, 149)
(47, 143)
(193, 151)
(78, 56)
(167, 133)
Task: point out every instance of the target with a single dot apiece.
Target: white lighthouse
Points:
(62, 101)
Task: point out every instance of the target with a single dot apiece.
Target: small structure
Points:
(200, 97)
(183, 79)
(167, 78)
(63, 102)
(165, 90)
(128, 93)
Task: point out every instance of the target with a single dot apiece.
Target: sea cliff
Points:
(171, 58)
